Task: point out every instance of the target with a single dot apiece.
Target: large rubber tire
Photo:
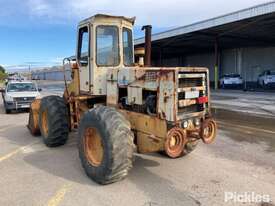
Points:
(8, 111)
(117, 146)
(54, 121)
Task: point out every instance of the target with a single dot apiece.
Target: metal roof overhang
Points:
(249, 27)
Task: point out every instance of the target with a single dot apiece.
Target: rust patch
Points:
(208, 131)
(175, 142)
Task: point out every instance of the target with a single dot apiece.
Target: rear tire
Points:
(53, 121)
(105, 145)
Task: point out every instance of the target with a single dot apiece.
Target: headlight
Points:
(197, 122)
(185, 124)
(8, 98)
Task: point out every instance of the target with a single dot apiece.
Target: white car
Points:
(19, 95)
(232, 80)
(267, 79)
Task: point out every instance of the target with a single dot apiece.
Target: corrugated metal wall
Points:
(249, 62)
(202, 60)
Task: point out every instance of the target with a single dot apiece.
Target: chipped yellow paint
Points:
(59, 195)
(9, 155)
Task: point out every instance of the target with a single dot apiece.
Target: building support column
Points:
(239, 61)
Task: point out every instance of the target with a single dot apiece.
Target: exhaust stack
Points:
(148, 45)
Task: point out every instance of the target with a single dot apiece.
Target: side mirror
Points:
(39, 89)
(2, 90)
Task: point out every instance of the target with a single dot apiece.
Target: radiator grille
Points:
(24, 99)
(189, 84)
(150, 76)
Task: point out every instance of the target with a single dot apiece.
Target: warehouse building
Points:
(241, 42)
(54, 73)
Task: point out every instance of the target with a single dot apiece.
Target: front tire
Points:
(8, 111)
(105, 145)
(53, 121)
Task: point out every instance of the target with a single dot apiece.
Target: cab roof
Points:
(97, 16)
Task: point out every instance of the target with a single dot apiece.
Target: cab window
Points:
(83, 46)
(21, 87)
(128, 47)
(107, 46)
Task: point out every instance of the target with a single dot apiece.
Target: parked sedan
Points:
(231, 80)
(267, 79)
(19, 95)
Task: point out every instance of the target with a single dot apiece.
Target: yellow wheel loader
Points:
(120, 107)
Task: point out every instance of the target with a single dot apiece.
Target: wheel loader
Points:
(120, 107)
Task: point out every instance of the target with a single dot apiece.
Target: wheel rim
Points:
(31, 122)
(93, 146)
(44, 123)
(209, 132)
(175, 142)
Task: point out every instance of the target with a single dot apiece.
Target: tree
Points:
(2, 69)
(3, 73)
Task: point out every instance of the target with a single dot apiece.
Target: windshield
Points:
(107, 45)
(21, 87)
(232, 76)
(128, 47)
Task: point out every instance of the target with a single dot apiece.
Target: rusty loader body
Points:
(119, 107)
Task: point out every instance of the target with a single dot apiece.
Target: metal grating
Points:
(190, 82)
(151, 76)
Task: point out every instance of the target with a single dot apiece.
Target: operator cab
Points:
(103, 42)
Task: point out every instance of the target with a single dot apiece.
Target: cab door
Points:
(83, 57)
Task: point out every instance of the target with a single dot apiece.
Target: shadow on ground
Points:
(160, 190)
(64, 162)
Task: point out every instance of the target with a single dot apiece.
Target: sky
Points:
(40, 33)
